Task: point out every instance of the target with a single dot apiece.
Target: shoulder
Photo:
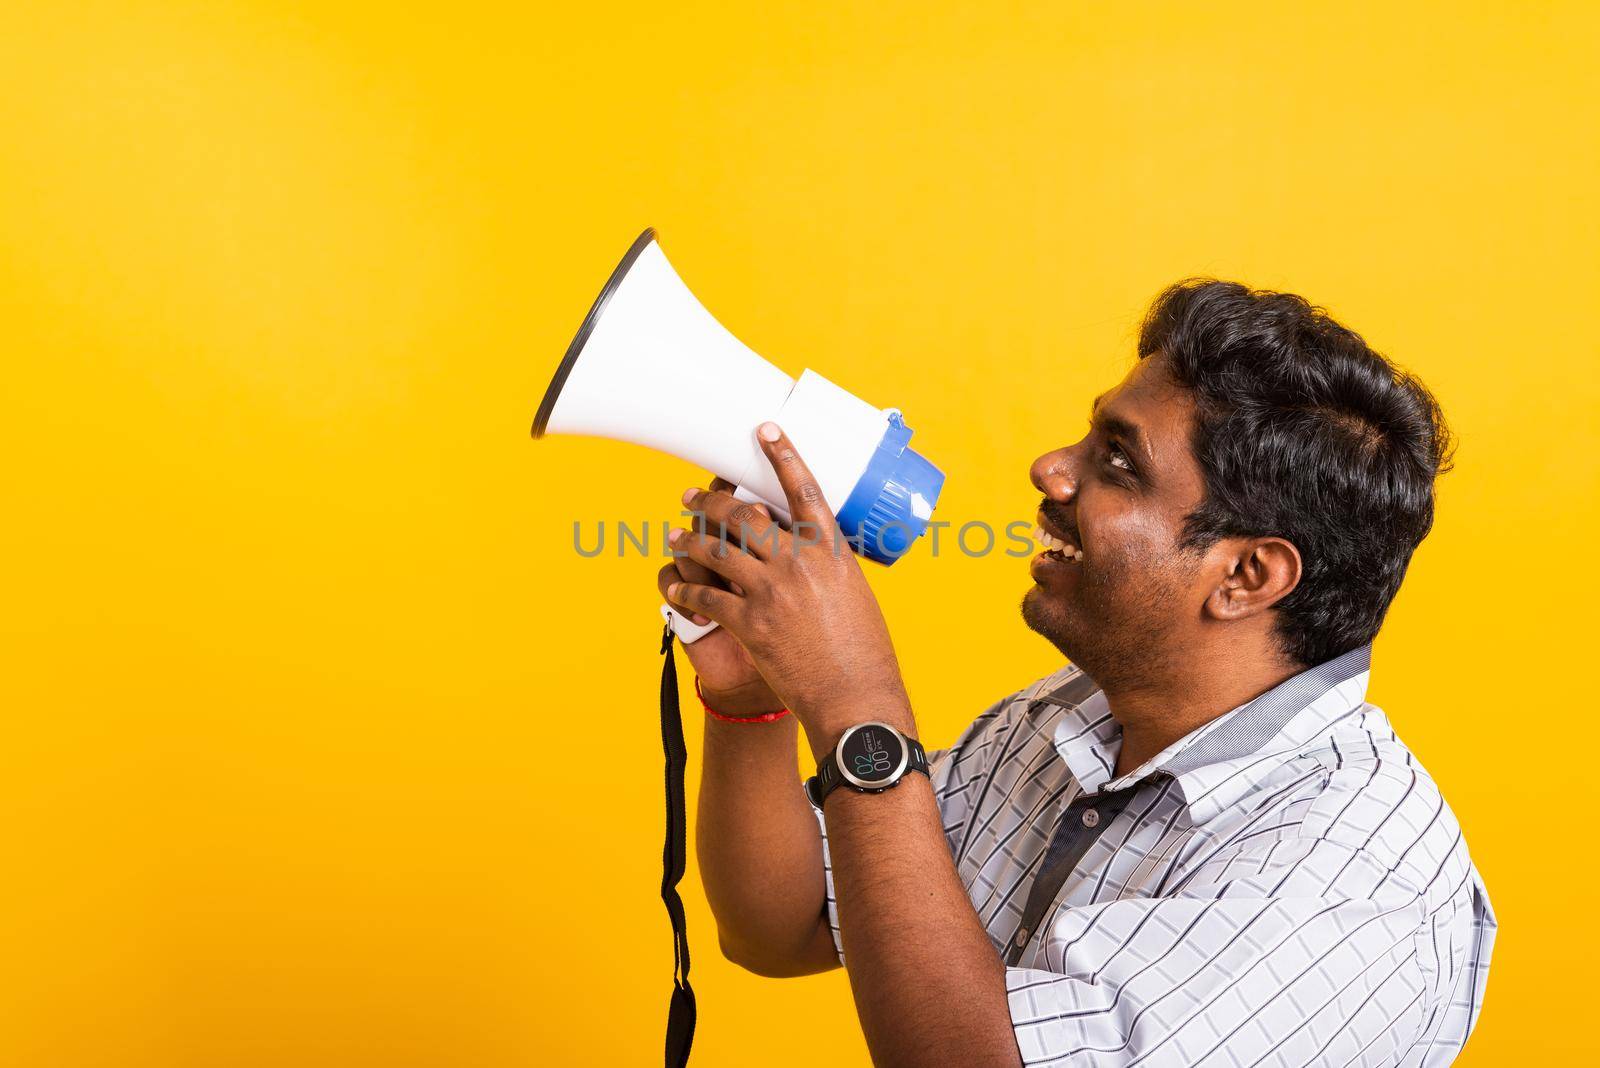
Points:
(997, 729)
(1376, 799)
(1065, 687)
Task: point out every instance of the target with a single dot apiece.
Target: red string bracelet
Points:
(765, 717)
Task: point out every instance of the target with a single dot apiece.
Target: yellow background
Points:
(323, 748)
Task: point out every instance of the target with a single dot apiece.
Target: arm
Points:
(757, 839)
(929, 986)
(760, 851)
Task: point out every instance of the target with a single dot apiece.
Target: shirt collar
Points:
(1219, 761)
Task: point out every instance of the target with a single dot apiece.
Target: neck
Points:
(1157, 711)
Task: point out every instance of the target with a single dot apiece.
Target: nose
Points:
(1055, 475)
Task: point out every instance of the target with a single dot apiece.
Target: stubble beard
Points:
(1120, 641)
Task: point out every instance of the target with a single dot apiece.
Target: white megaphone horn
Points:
(648, 352)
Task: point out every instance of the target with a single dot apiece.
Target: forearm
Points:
(929, 987)
(760, 850)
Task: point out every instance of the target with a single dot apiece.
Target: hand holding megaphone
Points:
(796, 601)
(648, 352)
(729, 679)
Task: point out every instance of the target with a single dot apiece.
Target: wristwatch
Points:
(869, 758)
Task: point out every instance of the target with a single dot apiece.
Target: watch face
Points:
(871, 755)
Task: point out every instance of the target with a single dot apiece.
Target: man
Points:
(1197, 843)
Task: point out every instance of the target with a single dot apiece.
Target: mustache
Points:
(1058, 515)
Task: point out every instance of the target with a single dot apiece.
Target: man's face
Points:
(1120, 497)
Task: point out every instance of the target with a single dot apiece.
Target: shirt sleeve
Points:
(952, 772)
(1287, 952)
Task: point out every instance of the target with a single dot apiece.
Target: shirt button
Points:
(1091, 818)
(1022, 938)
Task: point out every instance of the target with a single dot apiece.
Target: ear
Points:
(1256, 573)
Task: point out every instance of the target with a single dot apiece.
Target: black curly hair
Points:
(1303, 432)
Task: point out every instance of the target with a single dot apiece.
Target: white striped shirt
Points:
(1283, 886)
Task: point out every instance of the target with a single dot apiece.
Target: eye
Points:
(1117, 458)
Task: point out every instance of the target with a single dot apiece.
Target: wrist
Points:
(826, 724)
(750, 701)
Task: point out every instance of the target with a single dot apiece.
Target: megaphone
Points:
(648, 355)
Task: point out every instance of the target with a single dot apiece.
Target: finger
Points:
(680, 572)
(741, 522)
(721, 555)
(728, 487)
(799, 486)
(693, 572)
(719, 605)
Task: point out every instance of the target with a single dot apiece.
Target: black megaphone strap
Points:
(681, 1009)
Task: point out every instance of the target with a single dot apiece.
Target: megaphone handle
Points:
(685, 628)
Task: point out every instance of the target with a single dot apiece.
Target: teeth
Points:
(1050, 541)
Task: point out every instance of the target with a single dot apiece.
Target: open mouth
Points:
(1060, 543)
